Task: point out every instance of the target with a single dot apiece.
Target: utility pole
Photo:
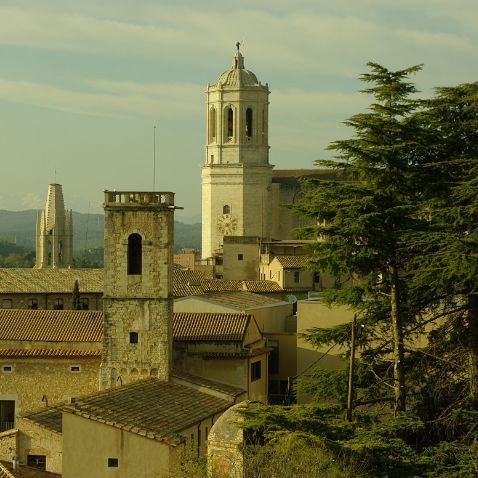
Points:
(350, 389)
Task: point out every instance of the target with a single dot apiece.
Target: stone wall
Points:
(33, 379)
(8, 444)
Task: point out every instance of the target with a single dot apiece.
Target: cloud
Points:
(118, 99)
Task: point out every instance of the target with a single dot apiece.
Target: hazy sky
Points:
(83, 82)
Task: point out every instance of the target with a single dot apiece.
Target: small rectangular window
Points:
(296, 276)
(255, 371)
(7, 304)
(33, 304)
(240, 257)
(133, 337)
(113, 463)
(37, 461)
(7, 368)
(75, 368)
(84, 303)
(58, 305)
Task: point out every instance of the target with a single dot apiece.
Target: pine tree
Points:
(445, 279)
(362, 217)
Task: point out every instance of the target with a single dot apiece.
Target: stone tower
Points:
(137, 300)
(54, 232)
(236, 175)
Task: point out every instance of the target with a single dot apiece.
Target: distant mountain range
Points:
(19, 227)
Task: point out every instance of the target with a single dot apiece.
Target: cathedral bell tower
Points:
(137, 300)
(236, 175)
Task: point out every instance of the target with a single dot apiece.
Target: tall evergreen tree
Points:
(445, 279)
(363, 216)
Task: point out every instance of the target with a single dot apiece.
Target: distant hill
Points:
(19, 227)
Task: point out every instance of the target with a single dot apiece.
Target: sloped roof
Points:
(49, 417)
(219, 285)
(292, 175)
(292, 262)
(153, 408)
(223, 388)
(262, 286)
(6, 471)
(46, 353)
(203, 326)
(51, 325)
(242, 300)
(17, 280)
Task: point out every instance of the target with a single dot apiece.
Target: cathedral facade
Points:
(242, 194)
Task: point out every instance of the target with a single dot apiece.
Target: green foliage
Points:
(76, 296)
(12, 255)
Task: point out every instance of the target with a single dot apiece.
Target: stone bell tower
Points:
(54, 232)
(137, 300)
(236, 175)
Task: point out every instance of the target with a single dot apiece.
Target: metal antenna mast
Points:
(154, 158)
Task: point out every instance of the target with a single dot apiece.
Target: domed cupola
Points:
(237, 76)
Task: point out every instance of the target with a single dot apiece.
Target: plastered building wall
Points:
(34, 439)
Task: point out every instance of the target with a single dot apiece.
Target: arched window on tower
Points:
(135, 253)
(226, 209)
(249, 123)
(230, 123)
(212, 125)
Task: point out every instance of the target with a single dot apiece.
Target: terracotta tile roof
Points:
(45, 353)
(203, 326)
(51, 325)
(186, 290)
(242, 300)
(193, 277)
(219, 285)
(24, 472)
(234, 355)
(292, 175)
(49, 418)
(18, 280)
(292, 262)
(152, 408)
(230, 390)
(262, 286)
(4, 473)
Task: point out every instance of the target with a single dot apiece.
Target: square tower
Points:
(137, 301)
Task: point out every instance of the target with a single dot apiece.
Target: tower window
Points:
(133, 337)
(249, 123)
(113, 463)
(212, 125)
(226, 209)
(230, 123)
(134, 254)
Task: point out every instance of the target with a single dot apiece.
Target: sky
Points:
(84, 82)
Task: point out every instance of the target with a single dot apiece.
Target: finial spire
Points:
(238, 59)
(238, 44)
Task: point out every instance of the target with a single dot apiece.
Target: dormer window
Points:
(135, 253)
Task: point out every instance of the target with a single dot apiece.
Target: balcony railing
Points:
(4, 426)
(139, 198)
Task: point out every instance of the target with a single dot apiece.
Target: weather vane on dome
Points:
(238, 44)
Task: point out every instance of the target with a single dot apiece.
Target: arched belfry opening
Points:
(212, 124)
(249, 123)
(135, 254)
(229, 123)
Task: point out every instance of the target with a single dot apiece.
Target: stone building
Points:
(242, 194)
(54, 232)
(50, 288)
